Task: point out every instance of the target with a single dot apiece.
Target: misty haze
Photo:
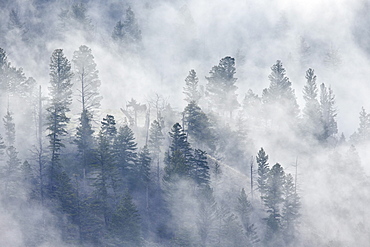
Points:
(184, 123)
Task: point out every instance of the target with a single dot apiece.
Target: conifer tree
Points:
(178, 158)
(273, 200)
(311, 111)
(363, 132)
(200, 168)
(290, 210)
(245, 209)
(327, 101)
(263, 172)
(104, 166)
(125, 223)
(87, 77)
(155, 143)
(11, 171)
(124, 147)
(197, 125)
(191, 87)
(61, 97)
(88, 80)
(143, 167)
(280, 93)
(127, 32)
(221, 86)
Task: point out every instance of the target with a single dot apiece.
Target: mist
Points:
(141, 73)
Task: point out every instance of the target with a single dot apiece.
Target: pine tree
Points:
(244, 209)
(263, 172)
(88, 79)
(191, 87)
(280, 93)
(10, 128)
(61, 96)
(221, 86)
(363, 132)
(178, 158)
(273, 200)
(197, 125)
(206, 216)
(12, 171)
(125, 223)
(143, 167)
(87, 76)
(104, 166)
(155, 143)
(327, 101)
(200, 168)
(290, 210)
(127, 32)
(124, 147)
(311, 111)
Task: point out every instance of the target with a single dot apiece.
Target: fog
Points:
(330, 37)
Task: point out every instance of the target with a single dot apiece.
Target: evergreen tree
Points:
(290, 210)
(327, 101)
(363, 132)
(311, 111)
(155, 138)
(191, 87)
(61, 93)
(9, 128)
(273, 200)
(124, 147)
(197, 125)
(263, 172)
(155, 143)
(76, 17)
(143, 167)
(200, 168)
(11, 171)
(127, 32)
(244, 209)
(280, 94)
(104, 167)
(87, 76)
(88, 79)
(206, 216)
(125, 225)
(221, 86)
(178, 158)
(2, 147)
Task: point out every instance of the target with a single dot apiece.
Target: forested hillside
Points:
(184, 123)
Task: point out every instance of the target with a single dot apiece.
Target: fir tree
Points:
(124, 147)
(127, 32)
(143, 167)
(363, 132)
(263, 172)
(200, 168)
(104, 166)
(178, 158)
(273, 200)
(311, 111)
(244, 209)
(125, 223)
(290, 210)
(327, 101)
(88, 79)
(197, 125)
(280, 91)
(191, 87)
(221, 86)
(61, 93)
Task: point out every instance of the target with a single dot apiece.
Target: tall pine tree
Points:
(61, 98)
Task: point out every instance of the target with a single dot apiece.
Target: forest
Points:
(184, 123)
